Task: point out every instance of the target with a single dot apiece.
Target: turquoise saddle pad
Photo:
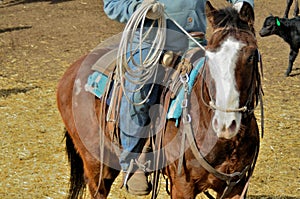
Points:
(97, 81)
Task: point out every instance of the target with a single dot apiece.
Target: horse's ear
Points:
(247, 13)
(210, 12)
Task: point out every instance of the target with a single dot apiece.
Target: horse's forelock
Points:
(229, 17)
(225, 17)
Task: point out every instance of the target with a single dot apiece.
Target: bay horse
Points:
(215, 144)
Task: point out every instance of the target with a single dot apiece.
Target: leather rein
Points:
(230, 179)
(233, 178)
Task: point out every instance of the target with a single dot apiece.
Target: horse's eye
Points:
(251, 59)
(253, 56)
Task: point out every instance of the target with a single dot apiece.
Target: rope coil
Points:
(144, 69)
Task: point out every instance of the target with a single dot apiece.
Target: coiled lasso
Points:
(144, 69)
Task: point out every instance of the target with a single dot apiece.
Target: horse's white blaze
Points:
(222, 65)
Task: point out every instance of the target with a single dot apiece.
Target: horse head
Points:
(231, 68)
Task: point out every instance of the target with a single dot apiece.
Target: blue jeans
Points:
(135, 120)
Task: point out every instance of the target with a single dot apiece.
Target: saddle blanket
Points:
(96, 84)
(97, 81)
(175, 108)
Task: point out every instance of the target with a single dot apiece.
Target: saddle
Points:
(101, 83)
(102, 80)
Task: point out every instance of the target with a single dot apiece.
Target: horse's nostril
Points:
(223, 128)
(232, 127)
(215, 123)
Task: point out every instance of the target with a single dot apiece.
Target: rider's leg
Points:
(134, 126)
(134, 131)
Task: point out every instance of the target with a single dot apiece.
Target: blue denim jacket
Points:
(190, 14)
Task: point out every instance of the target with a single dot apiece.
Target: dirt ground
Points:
(40, 39)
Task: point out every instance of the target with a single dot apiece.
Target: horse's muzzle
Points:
(226, 125)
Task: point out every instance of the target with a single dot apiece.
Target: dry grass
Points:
(32, 158)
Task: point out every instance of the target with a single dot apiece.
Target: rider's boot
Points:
(137, 183)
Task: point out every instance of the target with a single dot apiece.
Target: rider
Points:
(134, 119)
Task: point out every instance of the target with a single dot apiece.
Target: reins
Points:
(148, 68)
(234, 178)
(230, 179)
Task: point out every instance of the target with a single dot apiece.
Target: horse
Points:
(216, 142)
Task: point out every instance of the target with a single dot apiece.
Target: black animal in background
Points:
(288, 6)
(288, 30)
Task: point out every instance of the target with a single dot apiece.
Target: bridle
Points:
(230, 179)
(234, 178)
(246, 109)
